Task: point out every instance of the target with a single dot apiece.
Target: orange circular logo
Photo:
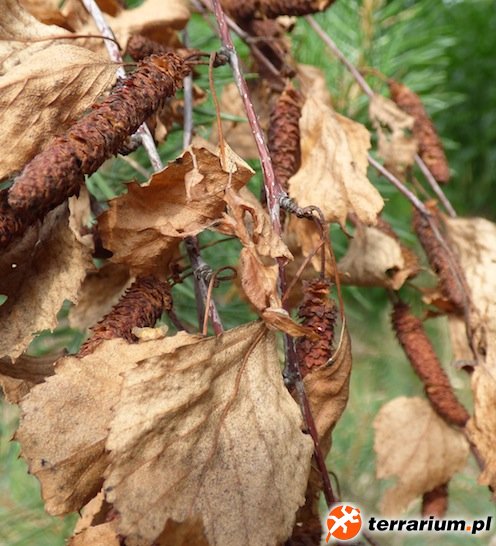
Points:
(343, 522)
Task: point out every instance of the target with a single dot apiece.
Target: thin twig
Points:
(274, 193)
(331, 44)
(192, 245)
(389, 176)
(435, 186)
(115, 55)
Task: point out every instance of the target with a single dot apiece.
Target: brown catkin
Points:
(139, 47)
(273, 8)
(11, 223)
(319, 313)
(284, 135)
(420, 352)
(140, 306)
(430, 147)
(435, 502)
(437, 255)
(58, 171)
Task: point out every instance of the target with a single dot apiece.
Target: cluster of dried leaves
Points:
(176, 439)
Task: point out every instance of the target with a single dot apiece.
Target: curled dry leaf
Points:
(144, 227)
(44, 95)
(103, 534)
(249, 221)
(99, 292)
(17, 378)
(375, 258)
(327, 389)
(397, 145)
(38, 273)
(65, 421)
(333, 174)
(154, 19)
(415, 445)
(209, 430)
(474, 240)
(46, 11)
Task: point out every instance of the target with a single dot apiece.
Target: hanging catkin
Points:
(437, 255)
(435, 502)
(430, 147)
(420, 352)
(11, 223)
(139, 47)
(273, 8)
(317, 312)
(284, 135)
(58, 172)
(140, 306)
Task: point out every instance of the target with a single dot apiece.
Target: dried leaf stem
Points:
(274, 193)
(332, 46)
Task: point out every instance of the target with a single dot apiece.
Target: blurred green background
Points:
(443, 50)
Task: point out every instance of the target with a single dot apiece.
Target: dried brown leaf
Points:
(19, 377)
(209, 430)
(397, 145)
(474, 240)
(415, 445)
(333, 174)
(46, 11)
(327, 390)
(104, 534)
(237, 132)
(313, 83)
(374, 258)
(99, 292)
(153, 19)
(65, 421)
(38, 273)
(185, 533)
(44, 95)
(19, 32)
(145, 226)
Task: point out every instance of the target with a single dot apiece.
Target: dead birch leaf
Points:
(374, 258)
(99, 292)
(103, 534)
(333, 173)
(65, 421)
(236, 130)
(327, 390)
(415, 445)
(19, 377)
(313, 83)
(143, 227)
(474, 240)
(46, 11)
(19, 32)
(153, 19)
(43, 96)
(38, 273)
(185, 533)
(397, 145)
(250, 222)
(209, 430)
